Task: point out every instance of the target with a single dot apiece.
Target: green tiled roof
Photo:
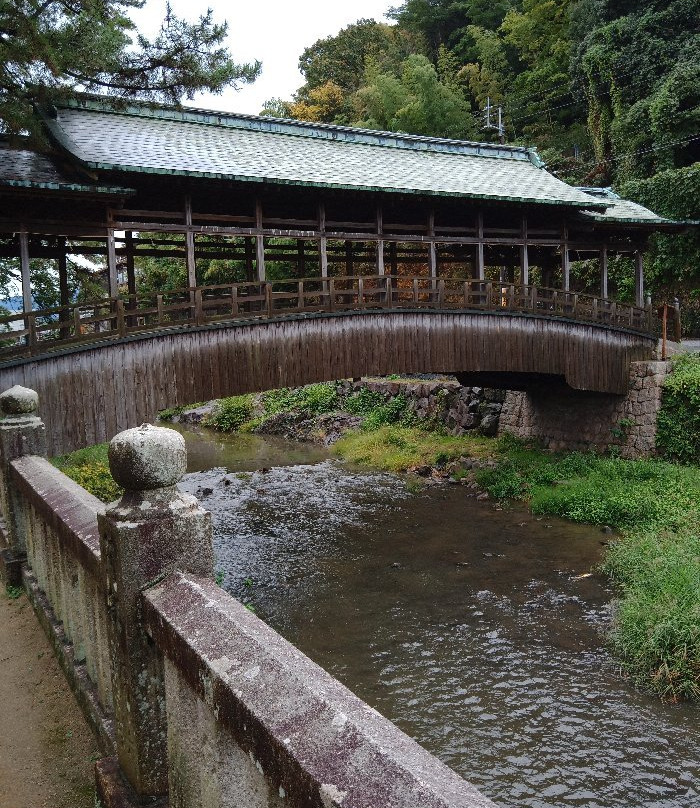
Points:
(162, 140)
(24, 168)
(621, 210)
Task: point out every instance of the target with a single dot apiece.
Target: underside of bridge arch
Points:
(90, 393)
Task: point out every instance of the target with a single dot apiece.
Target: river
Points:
(477, 630)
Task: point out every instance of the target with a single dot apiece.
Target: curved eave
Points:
(68, 188)
(667, 225)
(166, 172)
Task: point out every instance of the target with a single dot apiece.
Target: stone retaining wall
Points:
(461, 409)
(562, 418)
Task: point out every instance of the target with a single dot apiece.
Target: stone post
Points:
(148, 534)
(21, 433)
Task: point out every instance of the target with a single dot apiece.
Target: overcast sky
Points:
(273, 31)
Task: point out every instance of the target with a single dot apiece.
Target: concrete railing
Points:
(200, 703)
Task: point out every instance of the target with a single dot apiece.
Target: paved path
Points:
(47, 751)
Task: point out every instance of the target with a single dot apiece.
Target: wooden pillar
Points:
(189, 244)
(480, 271)
(380, 241)
(112, 280)
(565, 264)
(323, 245)
(432, 251)
(393, 258)
(524, 257)
(639, 278)
(604, 272)
(63, 291)
(24, 270)
(259, 241)
(248, 249)
(130, 272)
(301, 259)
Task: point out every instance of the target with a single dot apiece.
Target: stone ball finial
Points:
(19, 400)
(147, 457)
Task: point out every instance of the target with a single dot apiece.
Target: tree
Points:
(51, 48)
(342, 58)
(416, 102)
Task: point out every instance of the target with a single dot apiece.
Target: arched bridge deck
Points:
(216, 341)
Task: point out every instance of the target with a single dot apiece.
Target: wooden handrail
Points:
(38, 331)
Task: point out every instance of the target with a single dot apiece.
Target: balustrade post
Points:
(22, 433)
(149, 533)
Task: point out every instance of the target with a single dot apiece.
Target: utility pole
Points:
(499, 126)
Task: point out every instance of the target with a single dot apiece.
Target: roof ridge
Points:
(297, 128)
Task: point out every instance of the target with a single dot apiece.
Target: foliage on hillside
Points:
(678, 421)
(608, 90)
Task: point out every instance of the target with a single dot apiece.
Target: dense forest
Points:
(608, 91)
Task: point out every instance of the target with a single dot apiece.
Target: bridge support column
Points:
(21, 433)
(148, 534)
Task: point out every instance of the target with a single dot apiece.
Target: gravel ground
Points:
(47, 751)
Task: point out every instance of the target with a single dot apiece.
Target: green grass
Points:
(655, 563)
(398, 448)
(90, 469)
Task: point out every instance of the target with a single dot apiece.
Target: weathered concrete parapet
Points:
(22, 433)
(151, 532)
(255, 723)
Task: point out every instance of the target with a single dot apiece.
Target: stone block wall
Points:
(562, 418)
(461, 409)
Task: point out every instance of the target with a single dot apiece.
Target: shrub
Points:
(231, 413)
(678, 421)
(90, 469)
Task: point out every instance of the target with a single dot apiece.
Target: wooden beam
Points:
(189, 245)
(24, 270)
(639, 278)
(603, 259)
(480, 272)
(259, 241)
(524, 257)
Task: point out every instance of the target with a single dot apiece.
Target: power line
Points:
(659, 147)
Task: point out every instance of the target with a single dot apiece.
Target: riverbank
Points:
(653, 504)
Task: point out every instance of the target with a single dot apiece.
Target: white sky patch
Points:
(273, 31)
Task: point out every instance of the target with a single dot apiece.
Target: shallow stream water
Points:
(477, 631)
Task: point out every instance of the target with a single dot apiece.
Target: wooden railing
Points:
(36, 332)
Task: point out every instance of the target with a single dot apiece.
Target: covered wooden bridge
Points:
(194, 221)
